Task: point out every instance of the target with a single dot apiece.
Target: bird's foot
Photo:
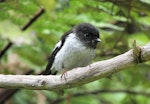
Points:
(64, 74)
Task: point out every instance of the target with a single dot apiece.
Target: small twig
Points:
(121, 35)
(33, 19)
(3, 51)
(101, 91)
(112, 8)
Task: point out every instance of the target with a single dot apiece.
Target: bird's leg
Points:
(89, 65)
(64, 74)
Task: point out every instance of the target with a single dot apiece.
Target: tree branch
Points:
(8, 93)
(77, 76)
(101, 91)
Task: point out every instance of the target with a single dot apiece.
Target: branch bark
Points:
(8, 93)
(77, 76)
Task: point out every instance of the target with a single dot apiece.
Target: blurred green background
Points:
(119, 22)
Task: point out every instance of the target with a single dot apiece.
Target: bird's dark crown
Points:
(87, 33)
(86, 28)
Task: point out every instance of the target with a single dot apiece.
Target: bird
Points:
(76, 48)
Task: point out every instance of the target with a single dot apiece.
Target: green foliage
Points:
(119, 22)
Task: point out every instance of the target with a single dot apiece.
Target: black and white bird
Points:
(75, 49)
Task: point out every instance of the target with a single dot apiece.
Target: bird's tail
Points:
(48, 70)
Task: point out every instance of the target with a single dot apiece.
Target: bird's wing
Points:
(51, 58)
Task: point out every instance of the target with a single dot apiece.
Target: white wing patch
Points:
(58, 45)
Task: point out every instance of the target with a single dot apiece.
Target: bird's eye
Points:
(86, 35)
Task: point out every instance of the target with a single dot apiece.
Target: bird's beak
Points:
(98, 40)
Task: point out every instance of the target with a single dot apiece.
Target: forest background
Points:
(120, 22)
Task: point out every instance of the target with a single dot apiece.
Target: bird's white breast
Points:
(72, 54)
